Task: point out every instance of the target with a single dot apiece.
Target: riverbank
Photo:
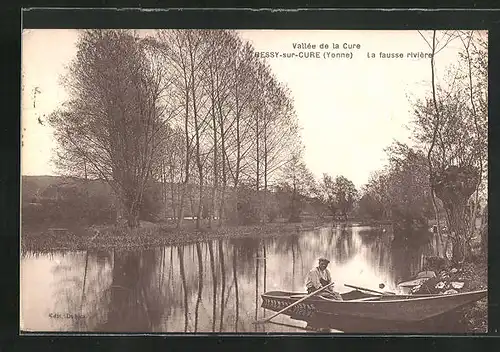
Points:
(476, 315)
(150, 235)
(467, 277)
(473, 276)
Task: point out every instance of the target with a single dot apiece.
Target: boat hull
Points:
(398, 308)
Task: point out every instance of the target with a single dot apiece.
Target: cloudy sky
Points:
(349, 109)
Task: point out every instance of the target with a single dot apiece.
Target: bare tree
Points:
(449, 120)
(196, 50)
(299, 182)
(173, 45)
(435, 48)
(112, 122)
(475, 57)
(238, 122)
(224, 46)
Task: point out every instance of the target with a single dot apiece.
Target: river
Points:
(206, 287)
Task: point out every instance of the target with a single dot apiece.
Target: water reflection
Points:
(200, 285)
(212, 286)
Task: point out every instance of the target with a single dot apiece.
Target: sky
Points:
(349, 109)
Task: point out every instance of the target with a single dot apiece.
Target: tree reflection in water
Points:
(180, 251)
(214, 283)
(236, 292)
(132, 306)
(161, 271)
(285, 247)
(265, 270)
(200, 285)
(344, 247)
(247, 249)
(223, 283)
(256, 289)
(408, 253)
(84, 281)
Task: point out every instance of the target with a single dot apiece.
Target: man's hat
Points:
(323, 259)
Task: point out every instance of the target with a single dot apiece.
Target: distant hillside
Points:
(37, 185)
(34, 185)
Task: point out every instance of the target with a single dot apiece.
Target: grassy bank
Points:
(150, 235)
(476, 315)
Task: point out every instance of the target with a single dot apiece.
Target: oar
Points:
(293, 304)
(367, 289)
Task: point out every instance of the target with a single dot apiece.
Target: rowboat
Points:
(357, 304)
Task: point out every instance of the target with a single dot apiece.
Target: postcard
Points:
(250, 180)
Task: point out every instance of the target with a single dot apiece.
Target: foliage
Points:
(247, 206)
(295, 185)
(152, 204)
(339, 195)
(401, 192)
(369, 207)
(74, 205)
(409, 191)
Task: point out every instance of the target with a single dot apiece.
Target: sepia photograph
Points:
(201, 181)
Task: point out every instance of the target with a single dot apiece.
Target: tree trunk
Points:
(133, 218)
(459, 233)
(222, 204)
(215, 147)
(193, 207)
(224, 157)
(164, 193)
(266, 211)
(474, 114)
(182, 202)
(257, 153)
(238, 146)
(173, 197)
(187, 156)
(434, 135)
(484, 231)
(197, 128)
(128, 211)
(200, 203)
(454, 186)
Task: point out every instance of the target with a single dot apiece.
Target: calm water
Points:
(210, 286)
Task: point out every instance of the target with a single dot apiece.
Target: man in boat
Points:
(319, 277)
